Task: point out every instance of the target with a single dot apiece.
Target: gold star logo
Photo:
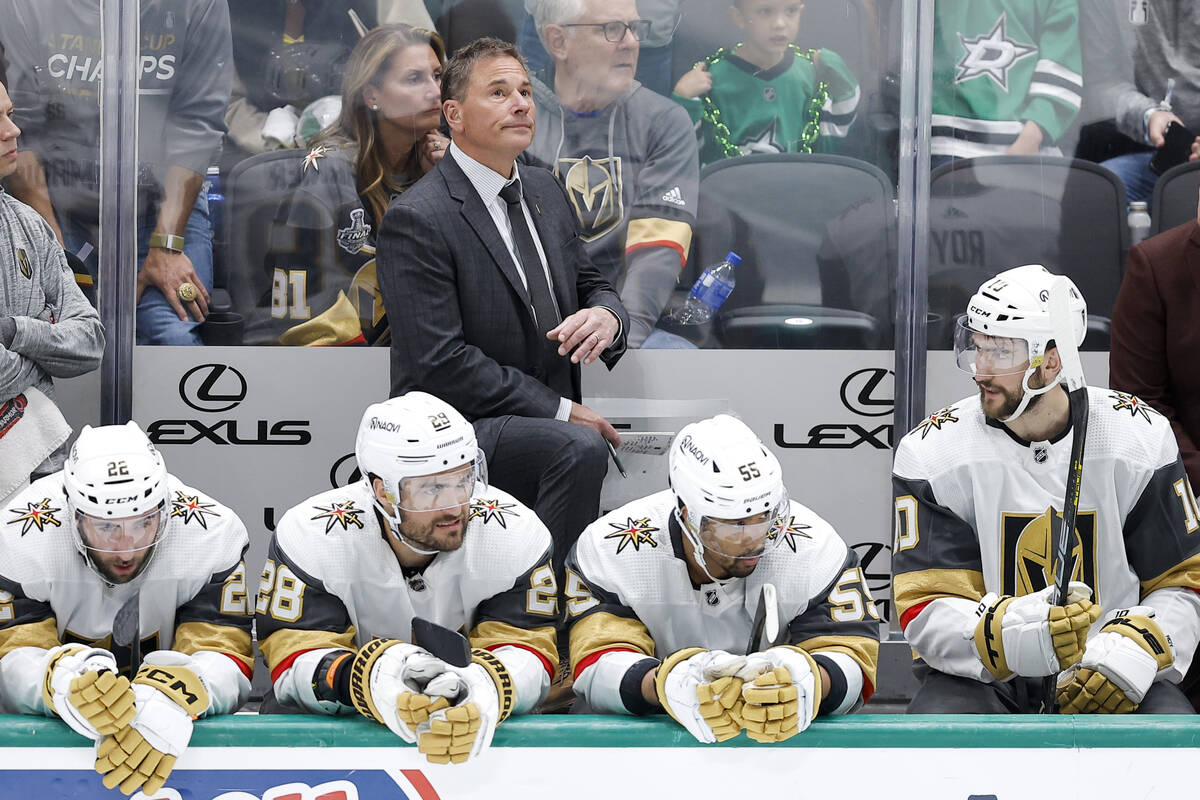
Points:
(191, 509)
(492, 511)
(344, 514)
(936, 420)
(789, 530)
(310, 160)
(636, 532)
(36, 515)
(1136, 406)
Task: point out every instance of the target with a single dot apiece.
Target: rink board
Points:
(247, 757)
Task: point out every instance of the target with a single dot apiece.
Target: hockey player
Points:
(113, 530)
(421, 535)
(766, 95)
(661, 593)
(978, 489)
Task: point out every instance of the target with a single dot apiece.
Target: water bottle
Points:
(216, 202)
(709, 291)
(1139, 221)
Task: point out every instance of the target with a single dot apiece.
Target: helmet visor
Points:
(123, 535)
(744, 538)
(983, 355)
(448, 489)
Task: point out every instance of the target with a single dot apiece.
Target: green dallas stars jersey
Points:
(997, 64)
(766, 110)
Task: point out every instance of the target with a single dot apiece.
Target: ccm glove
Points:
(1119, 666)
(783, 699)
(81, 685)
(482, 700)
(702, 690)
(142, 755)
(396, 683)
(1027, 636)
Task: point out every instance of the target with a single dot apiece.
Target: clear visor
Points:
(984, 356)
(124, 535)
(749, 537)
(449, 489)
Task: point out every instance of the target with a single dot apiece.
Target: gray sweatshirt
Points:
(1167, 46)
(58, 332)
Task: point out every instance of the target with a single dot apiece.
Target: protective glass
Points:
(124, 535)
(442, 490)
(615, 31)
(742, 538)
(983, 355)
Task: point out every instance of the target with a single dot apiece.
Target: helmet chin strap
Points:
(1029, 393)
(394, 525)
(697, 547)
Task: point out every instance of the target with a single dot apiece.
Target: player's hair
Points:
(457, 74)
(557, 12)
(369, 62)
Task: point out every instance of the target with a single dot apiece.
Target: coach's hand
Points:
(587, 332)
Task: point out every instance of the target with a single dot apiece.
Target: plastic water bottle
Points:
(1139, 221)
(709, 291)
(216, 202)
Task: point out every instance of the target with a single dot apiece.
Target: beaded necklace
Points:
(812, 113)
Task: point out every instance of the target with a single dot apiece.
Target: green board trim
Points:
(862, 731)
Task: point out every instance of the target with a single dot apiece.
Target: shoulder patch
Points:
(310, 160)
(23, 263)
(37, 515)
(789, 529)
(344, 514)
(636, 532)
(492, 511)
(936, 420)
(1133, 404)
(191, 509)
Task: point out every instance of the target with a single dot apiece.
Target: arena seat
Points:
(1175, 197)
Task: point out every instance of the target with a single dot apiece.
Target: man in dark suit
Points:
(494, 304)
(1155, 340)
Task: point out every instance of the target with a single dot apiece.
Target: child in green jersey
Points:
(766, 95)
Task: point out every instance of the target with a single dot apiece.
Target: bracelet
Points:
(167, 241)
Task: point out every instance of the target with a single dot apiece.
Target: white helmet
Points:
(1015, 305)
(412, 436)
(720, 471)
(114, 472)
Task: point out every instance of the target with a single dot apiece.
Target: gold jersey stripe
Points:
(603, 631)
(910, 589)
(1186, 574)
(655, 231)
(492, 633)
(337, 325)
(863, 649)
(286, 641)
(191, 637)
(42, 634)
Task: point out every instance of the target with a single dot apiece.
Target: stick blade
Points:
(450, 646)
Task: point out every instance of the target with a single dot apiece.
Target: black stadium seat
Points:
(1175, 197)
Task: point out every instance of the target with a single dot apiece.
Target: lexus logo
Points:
(869, 392)
(212, 387)
(344, 472)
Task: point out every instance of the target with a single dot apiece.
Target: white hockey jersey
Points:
(331, 580)
(193, 594)
(629, 597)
(976, 508)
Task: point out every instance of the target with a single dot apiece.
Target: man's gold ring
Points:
(187, 292)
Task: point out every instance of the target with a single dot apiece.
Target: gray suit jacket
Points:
(462, 326)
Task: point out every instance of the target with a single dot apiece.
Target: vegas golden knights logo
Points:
(1027, 550)
(594, 187)
(23, 263)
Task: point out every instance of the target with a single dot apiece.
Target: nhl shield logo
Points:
(353, 238)
(23, 263)
(594, 187)
(769, 94)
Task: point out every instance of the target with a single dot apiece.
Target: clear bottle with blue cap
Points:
(709, 291)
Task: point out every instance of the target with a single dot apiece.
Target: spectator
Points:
(627, 156)
(186, 66)
(322, 290)
(766, 95)
(47, 329)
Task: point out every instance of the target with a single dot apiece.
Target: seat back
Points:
(1175, 197)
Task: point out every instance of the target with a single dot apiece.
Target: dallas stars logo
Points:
(765, 142)
(992, 54)
(36, 514)
(344, 514)
(636, 532)
(310, 160)
(492, 511)
(936, 420)
(789, 530)
(1134, 405)
(191, 509)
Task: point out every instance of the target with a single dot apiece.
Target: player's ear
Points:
(1052, 363)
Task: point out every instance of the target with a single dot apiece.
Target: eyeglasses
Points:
(615, 31)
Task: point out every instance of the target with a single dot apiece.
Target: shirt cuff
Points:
(564, 409)
(619, 326)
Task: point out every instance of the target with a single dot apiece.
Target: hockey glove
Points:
(483, 700)
(1027, 636)
(142, 755)
(81, 685)
(783, 700)
(701, 689)
(390, 682)
(1119, 666)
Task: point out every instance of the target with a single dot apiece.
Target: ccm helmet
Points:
(1012, 311)
(730, 485)
(414, 436)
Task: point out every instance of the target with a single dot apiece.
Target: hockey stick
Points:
(1072, 379)
(126, 630)
(450, 646)
(766, 619)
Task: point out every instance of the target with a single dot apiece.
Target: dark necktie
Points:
(531, 264)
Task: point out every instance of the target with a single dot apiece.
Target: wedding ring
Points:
(187, 292)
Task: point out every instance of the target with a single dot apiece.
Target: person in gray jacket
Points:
(48, 329)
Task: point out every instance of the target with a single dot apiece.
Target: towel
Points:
(31, 428)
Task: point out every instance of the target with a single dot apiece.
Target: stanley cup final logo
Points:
(594, 186)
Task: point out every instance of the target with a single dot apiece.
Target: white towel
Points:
(31, 428)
